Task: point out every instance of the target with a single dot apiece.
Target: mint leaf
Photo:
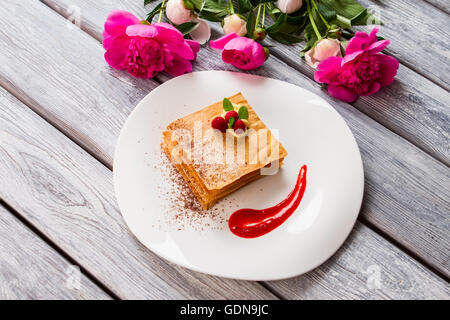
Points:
(227, 105)
(231, 123)
(243, 112)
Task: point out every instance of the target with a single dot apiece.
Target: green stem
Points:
(231, 7)
(320, 14)
(257, 15)
(313, 23)
(161, 11)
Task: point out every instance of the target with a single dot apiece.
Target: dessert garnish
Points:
(251, 223)
(205, 163)
(219, 123)
(233, 117)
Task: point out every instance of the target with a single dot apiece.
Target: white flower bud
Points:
(235, 24)
(177, 13)
(289, 6)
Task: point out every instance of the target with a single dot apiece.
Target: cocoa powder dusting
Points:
(182, 210)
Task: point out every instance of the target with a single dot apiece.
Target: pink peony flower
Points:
(324, 49)
(143, 49)
(243, 53)
(363, 70)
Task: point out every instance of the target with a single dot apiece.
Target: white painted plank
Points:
(413, 107)
(390, 275)
(61, 51)
(412, 210)
(444, 5)
(68, 195)
(31, 269)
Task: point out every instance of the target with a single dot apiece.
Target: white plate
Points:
(312, 132)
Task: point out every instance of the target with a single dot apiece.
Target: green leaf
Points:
(327, 12)
(227, 105)
(244, 6)
(243, 112)
(349, 13)
(187, 27)
(188, 4)
(281, 20)
(343, 21)
(287, 28)
(214, 7)
(251, 23)
(154, 12)
(211, 16)
(146, 2)
(231, 123)
(285, 38)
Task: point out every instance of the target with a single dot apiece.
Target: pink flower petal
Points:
(378, 46)
(195, 46)
(373, 33)
(115, 42)
(375, 88)
(244, 53)
(168, 33)
(118, 21)
(116, 59)
(389, 66)
(105, 34)
(202, 33)
(179, 67)
(182, 49)
(142, 30)
(351, 56)
(163, 32)
(328, 70)
(357, 43)
(220, 43)
(107, 42)
(361, 41)
(342, 93)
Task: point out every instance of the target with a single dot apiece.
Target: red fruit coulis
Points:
(251, 223)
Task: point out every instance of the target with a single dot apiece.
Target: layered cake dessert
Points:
(221, 148)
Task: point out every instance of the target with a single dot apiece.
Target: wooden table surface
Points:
(61, 111)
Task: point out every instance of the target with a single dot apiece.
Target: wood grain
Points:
(390, 275)
(67, 194)
(31, 269)
(398, 200)
(444, 5)
(66, 53)
(413, 107)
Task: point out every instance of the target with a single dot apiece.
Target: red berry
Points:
(239, 125)
(231, 114)
(219, 123)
